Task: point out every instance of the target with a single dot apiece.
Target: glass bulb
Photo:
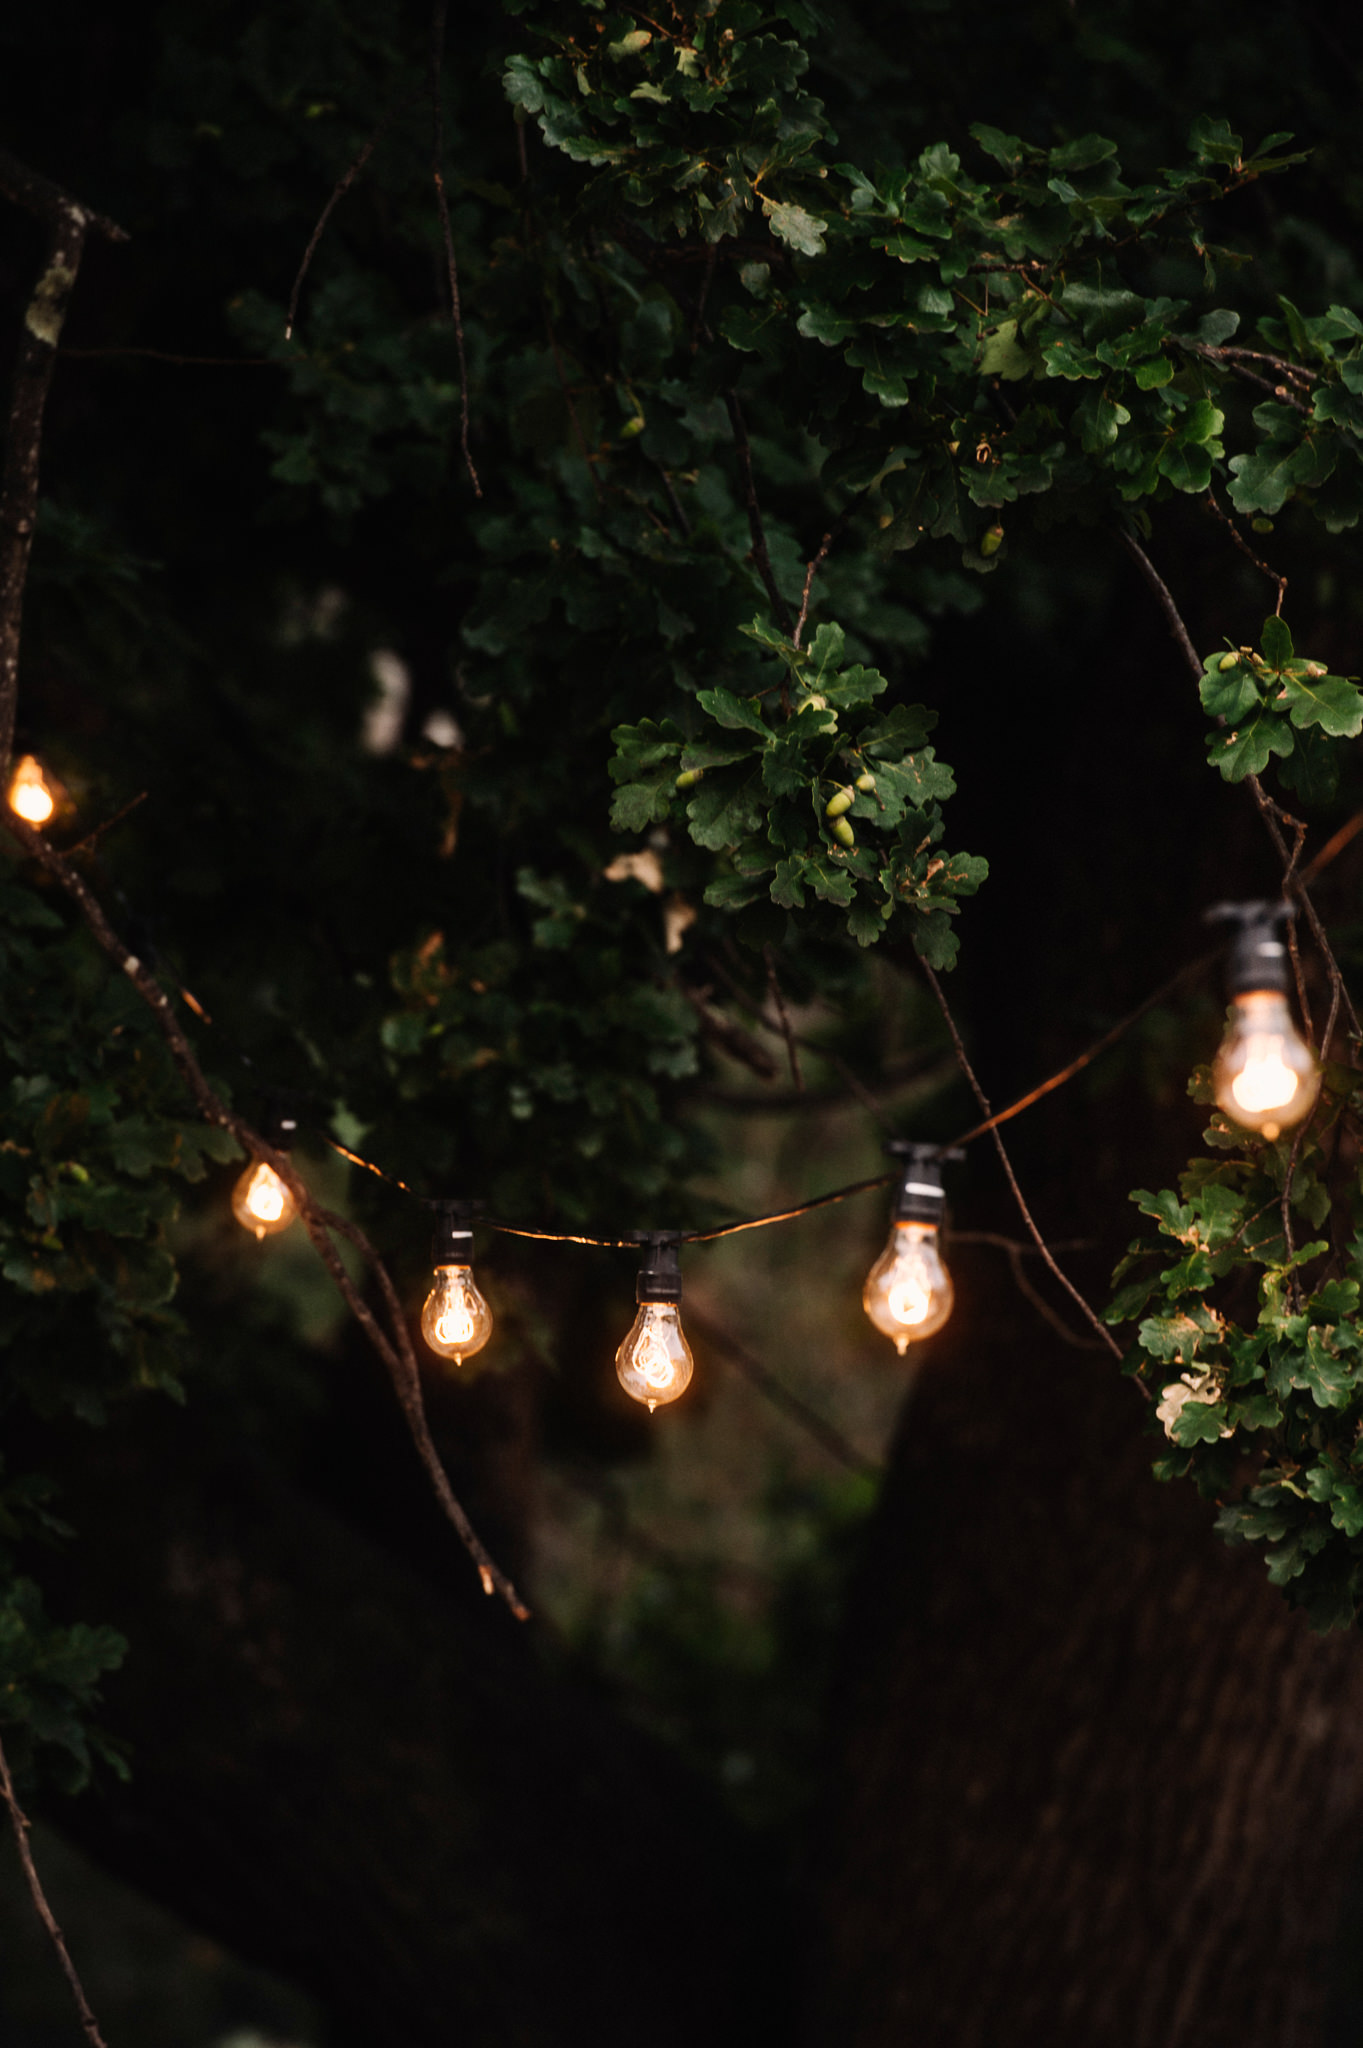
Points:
(654, 1363)
(908, 1292)
(1264, 1074)
(260, 1201)
(30, 793)
(456, 1321)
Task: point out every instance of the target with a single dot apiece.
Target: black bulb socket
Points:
(921, 1197)
(660, 1275)
(279, 1128)
(452, 1242)
(1258, 953)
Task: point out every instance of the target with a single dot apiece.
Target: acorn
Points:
(688, 778)
(991, 542)
(866, 782)
(1228, 661)
(841, 801)
(843, 832)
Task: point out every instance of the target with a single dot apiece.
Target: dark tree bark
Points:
(385, 1793)
(1094, 1781)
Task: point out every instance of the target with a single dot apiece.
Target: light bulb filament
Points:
(654, 1364)
(908, 1292)
(262, 1202)
(1265, 1081)
(454, 1325)
(266, 1197)
(456, 1321)
(30, 796)
(910, 1299)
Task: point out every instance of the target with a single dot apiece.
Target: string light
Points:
(908, 1293)
(261, 1202)
(456, 1321)
(31, 796)
(1264, 1075)
(654, 1364)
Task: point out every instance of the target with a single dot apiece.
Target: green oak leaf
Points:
(1229, 693)
(1330, 702)
(1246, 750)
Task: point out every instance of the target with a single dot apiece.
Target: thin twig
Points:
(35, 359)
(816, 563)
(853, 1082)
(1090, 1314)
(760, 554)
(394, 1350)
(1100, 1045)
(20, 1822)
(438, 174)
(1268, 810)
(1248, 376)
(1016, 1252)
(783, 1017)
(1333, 847)
(1278, 582)
(779, 1395)
(397, 1354)
(1293, 1289)
(97, 832)
(339, 190)
(1293, 949)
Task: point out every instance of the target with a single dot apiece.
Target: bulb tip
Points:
(901, 1345)
(651, 1406)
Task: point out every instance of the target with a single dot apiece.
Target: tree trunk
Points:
(1094, 1782)
(384, 1792)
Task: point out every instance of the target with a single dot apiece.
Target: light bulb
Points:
(1264, 1074)
(908, 1292)
(30, 793)
(261, 1202)
(654, 1364)
(456, 1320)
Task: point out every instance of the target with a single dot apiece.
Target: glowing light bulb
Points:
(1264, 1075)
(456, 1320)
(908, 1292)
(654, 1364)
(30, 794)
(261, 1202)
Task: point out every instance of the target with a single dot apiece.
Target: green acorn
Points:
(1228, 661)
(866, 782)
(688, 778)
(991, 542)
(843, 832)
(841, 801)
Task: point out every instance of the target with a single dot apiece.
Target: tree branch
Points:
(452, 268)
(1279, 582)
(823, 1432)
(20, 1823)
(339, 190)
(1268, 810)
(68, 224)
(1038, 1240)
(394, 1349)
(783, 1018)
(760, 554)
